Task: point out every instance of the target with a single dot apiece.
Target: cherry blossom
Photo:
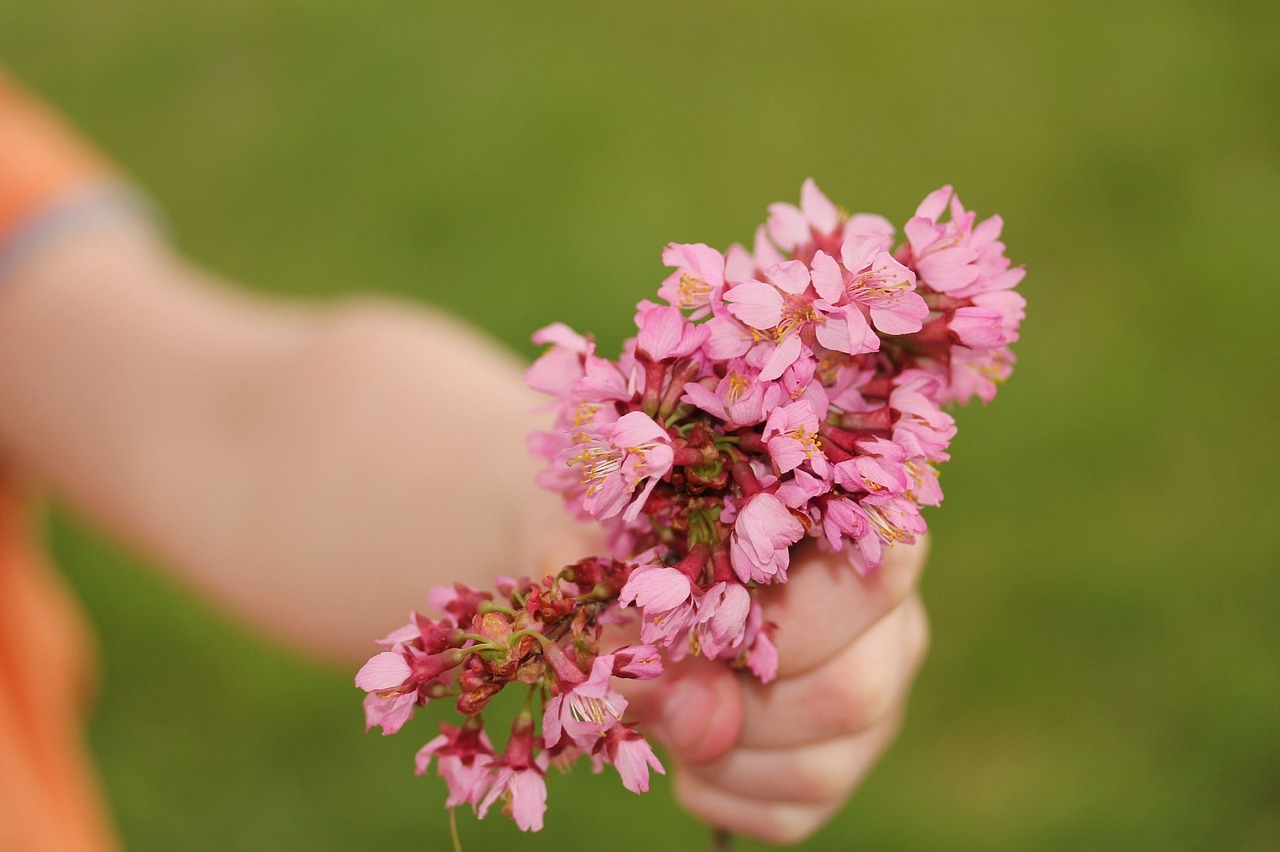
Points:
(786, 392)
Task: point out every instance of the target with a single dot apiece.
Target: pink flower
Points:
(762, 659)
(721, 619)
(994, 273)
(846, 329)
(615, 460)
(977, 328)
(798, 491)
(601, 382)
(525, 790)
(739, 398)
(587, 710)
(460, 601)
(638, 662)
(973, 373)
(761, 654)
(923, 485)
(935, 251)
(882, 285)
(386, 677)
(877, 469)
(817, 225)
(842, 521)
(1009, 305)
(389, 710)
(395, 680)
(791, 433)
(922, 427)
(762, 533)
(518, 777)
(698, 279)
(383, 671)
(401, 635)
(631, 755)
(557, 370)
(665, 596)
(665, 334)
(792, 227)
(465, 755)
(895, 520)
(739, 265)
(782, 308)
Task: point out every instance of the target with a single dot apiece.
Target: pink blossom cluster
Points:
(792, 391)
(545, 636)
(788, 392)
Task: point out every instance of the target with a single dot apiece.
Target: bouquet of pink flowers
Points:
(791, 391)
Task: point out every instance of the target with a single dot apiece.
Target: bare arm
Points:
(317, 469)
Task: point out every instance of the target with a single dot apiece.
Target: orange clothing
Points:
(48, 795)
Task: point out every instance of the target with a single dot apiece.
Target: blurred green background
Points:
(1106, 663)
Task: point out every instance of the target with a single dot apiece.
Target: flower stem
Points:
(721, 840)
(482, 643)
(691, 566)
(752, 442)
(745, 477)
(876, 420)
(655, 376)
(490, 606)
(453, 829)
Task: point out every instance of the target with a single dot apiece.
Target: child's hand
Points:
(776, 761)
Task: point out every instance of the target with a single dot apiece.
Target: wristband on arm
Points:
(51, 181)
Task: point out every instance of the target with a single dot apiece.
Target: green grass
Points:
(1105, 672)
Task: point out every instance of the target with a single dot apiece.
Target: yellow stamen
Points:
(887, 531)
(692, 290)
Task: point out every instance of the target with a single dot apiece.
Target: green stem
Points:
(490, 606)
(482, 643)
(536, 634)
(453, 829)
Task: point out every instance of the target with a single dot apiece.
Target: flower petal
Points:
(755, 303)
(383, 671)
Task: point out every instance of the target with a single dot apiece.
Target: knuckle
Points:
(824, 777)
(860, 696)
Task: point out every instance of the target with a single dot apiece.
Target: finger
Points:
(810, 774)
(695, 709)
(779, 822)
(826, 604)
(845, 695)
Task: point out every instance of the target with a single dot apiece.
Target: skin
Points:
(314, 470)
(777, 761)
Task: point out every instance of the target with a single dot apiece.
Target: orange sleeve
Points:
(48, 792)
(41, 159)
(48, 795)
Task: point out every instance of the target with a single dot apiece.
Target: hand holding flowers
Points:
(788, 393)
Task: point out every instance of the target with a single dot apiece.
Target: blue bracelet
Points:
(86, 206)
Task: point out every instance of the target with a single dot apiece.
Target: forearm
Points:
(115, 361)
(315, 469)
(388, 456)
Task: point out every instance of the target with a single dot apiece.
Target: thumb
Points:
(695, 708)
